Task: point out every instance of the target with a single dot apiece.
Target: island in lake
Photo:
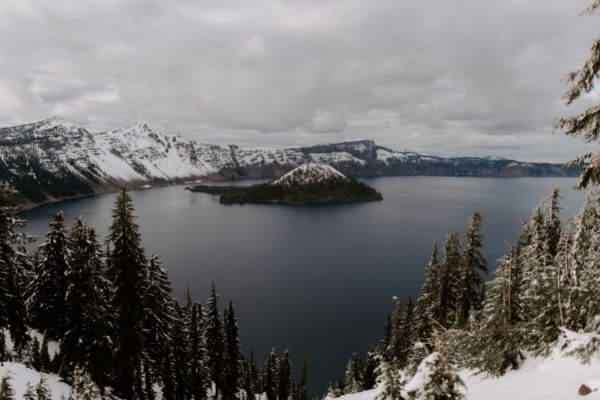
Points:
(310, 183)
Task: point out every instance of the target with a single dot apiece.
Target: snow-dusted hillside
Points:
(556, 377)
(310, 173)
(54, 159)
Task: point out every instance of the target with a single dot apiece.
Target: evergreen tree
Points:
(159, 312)
(29, 393)
(13, 268)
(428, 299)
(354, 379)
(284, 384)
(371, 365)
(402, 333)
(199, 370)
(168, 377)
(250, 375)
(553, 223)
(87, 342)
(233, 353)
(302, 391)
(470, 288)
(391, 380)
(586, 124)
(6, 390)
(49, 287)
(127, 271)
(42, 391)
(387, 333)
(215, 343)
(84, 387)
(181, 355)
(444, 309)
(271, 373)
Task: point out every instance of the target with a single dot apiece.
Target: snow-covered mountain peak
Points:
(56, 123)
(310, 173)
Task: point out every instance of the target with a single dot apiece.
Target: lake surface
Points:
(317, 280)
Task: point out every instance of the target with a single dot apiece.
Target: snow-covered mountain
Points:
(310, 173)
(53, 159)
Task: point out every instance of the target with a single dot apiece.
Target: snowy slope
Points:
(310, 173)
(20, 375)
(556, 377)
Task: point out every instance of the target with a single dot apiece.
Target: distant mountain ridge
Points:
(55, 159)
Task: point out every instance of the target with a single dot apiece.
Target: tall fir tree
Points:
(127, 271)
(284, 384)
(444, 309)
(86, 342)
(159, 315)
(271, 375)
(354, 379)
(428, 299)
(49, 286)
(233, 353)
(473, 266)
(14, 265)
(215, 342)
(181, 356)
(198, 359)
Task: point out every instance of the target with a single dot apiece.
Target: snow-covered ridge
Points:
(54, 158)
(310, 173)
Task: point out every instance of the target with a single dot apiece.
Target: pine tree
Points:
(42, 391)
(13, 268)
(354, 379)
(29, 393)
(159, 312)
(428, 299)
(553, 223)
(49, 287)
(181, 355)
(271, 373)
(586, 124)
(471, 286)
(250, 375)
(215, 343)
(168, 376)
(233, 354)
(387, 333)
(444, 309)
(199, 370)
(391, 380)
(284, 384)
(84, 387)
(371, 365)
(87, 342)
(6, 390)
(127, 271)
(402, 332)
(302, 391)
(437, 375)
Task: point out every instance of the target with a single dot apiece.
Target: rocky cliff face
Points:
(54, 159)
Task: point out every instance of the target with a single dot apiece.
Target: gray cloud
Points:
(453, 78)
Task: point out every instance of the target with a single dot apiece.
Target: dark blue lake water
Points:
(317, 280)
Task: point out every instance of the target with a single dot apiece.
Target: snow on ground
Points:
(310, 173)
(53, 347)
(20, 375)
(556, 377)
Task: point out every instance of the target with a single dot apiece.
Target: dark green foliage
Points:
(471, 283)
(371, 365)
(316, 193)
(354, 379)
(301, 391)
(127, 272)
(233, 354)
(6, 390)
(284, 384)
(159, 315)
(198, 369)
(181, 355)
(42, 391)
(271, 375)
(215, 342)
(87, 342)
(49, 287)
(45, 361)
(250, 385)
(428, 299)
(402, 333)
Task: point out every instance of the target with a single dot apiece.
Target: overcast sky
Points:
(451, 77)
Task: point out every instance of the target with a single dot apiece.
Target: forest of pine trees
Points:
(547, 282)
(120, 329)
